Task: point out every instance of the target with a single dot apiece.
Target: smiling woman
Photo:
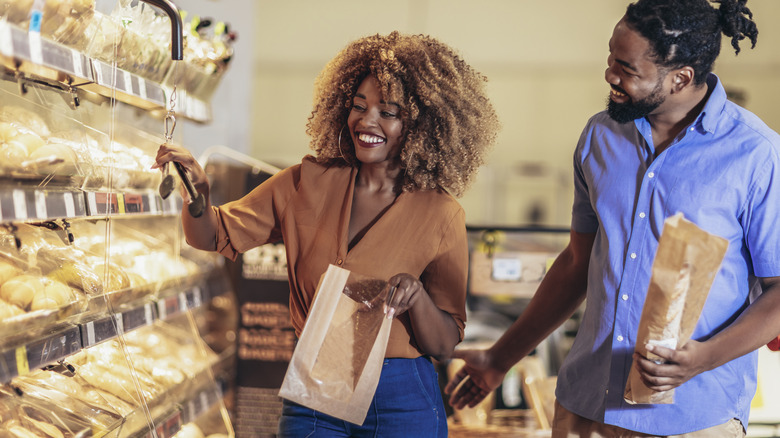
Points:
(449, 122)
(400, 126)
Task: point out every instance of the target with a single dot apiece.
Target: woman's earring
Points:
(342, 153)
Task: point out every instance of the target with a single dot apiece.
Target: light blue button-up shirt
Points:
(723, 174)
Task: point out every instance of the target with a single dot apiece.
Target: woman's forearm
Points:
(434, 329)
(201, 232)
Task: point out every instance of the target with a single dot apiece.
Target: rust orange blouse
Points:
(308, 207)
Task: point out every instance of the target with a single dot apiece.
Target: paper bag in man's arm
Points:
(336, 365)
(686, 262)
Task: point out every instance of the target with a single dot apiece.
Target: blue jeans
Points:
(407, 404)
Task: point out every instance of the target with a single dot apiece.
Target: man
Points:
(668, 142)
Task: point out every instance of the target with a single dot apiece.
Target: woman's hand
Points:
(435, 330)
(408, 291)
(170, 153)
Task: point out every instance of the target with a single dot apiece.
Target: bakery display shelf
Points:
(29, 55)
(130, 88)
(175, 383)
(101, 203)
(57, 344)
(26, 350)
(110, 326)
(22, 204)
(199, 404)
(170, 305)
(29, 203)
(29, 52)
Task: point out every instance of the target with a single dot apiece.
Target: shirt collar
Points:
(708, 118)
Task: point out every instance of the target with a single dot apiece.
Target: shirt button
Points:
(625, 297)
(651, 174)
(620, 338)
(633, 255)
(642, 215)
(339, 261)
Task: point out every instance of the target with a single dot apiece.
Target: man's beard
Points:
(628, 111)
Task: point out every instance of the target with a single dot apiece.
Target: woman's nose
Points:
(369, 118)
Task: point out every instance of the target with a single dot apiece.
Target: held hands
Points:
(679, 365)
(477, 376)
(168, 153)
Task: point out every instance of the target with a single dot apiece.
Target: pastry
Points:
(21, 289)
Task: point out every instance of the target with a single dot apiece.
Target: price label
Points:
(78, 67)
(98, 69)
(20, 204)
(142, 88)
(22, 366)
(153, 202)
(148, 315)
(70, 205)
(192, 410)
(40, 205)
(36, 17)
(120, 201)
(128, 79)
(120, 325)
(197, 297)
(6, 39)
(90, 333)
(182, 301)
(92, 203)
(36, 49)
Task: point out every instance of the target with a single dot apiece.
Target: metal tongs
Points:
(197, 201)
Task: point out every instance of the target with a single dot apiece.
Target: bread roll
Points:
(30, 141)
(79, 276)
(59, 151)
(19, 431)
(117, 278)
(53, 296)
(25, 120)
(8, 271)
(189, 430)
(12, 154)
(21, 289)
(7, 132)
(8, 311)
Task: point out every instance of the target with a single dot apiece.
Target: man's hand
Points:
(472, 383)
(678, 367)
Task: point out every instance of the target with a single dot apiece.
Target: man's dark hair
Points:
(688, 32)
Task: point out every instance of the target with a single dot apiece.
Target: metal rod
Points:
(177, 44)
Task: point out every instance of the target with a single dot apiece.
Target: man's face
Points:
(638, 85)
(635, 109)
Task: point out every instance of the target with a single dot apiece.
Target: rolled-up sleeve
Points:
(446, 276)
(255, 219)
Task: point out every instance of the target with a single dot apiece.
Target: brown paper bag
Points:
(336, 365)
(685, 265)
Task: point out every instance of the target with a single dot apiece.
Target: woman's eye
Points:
(357, 107)
(389, 114)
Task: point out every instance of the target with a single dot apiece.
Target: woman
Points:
(400, 125)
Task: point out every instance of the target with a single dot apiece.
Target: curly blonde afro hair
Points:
(449, 122)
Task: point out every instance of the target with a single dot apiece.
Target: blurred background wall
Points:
(545, 63)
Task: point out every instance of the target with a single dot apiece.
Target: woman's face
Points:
(375, 125)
